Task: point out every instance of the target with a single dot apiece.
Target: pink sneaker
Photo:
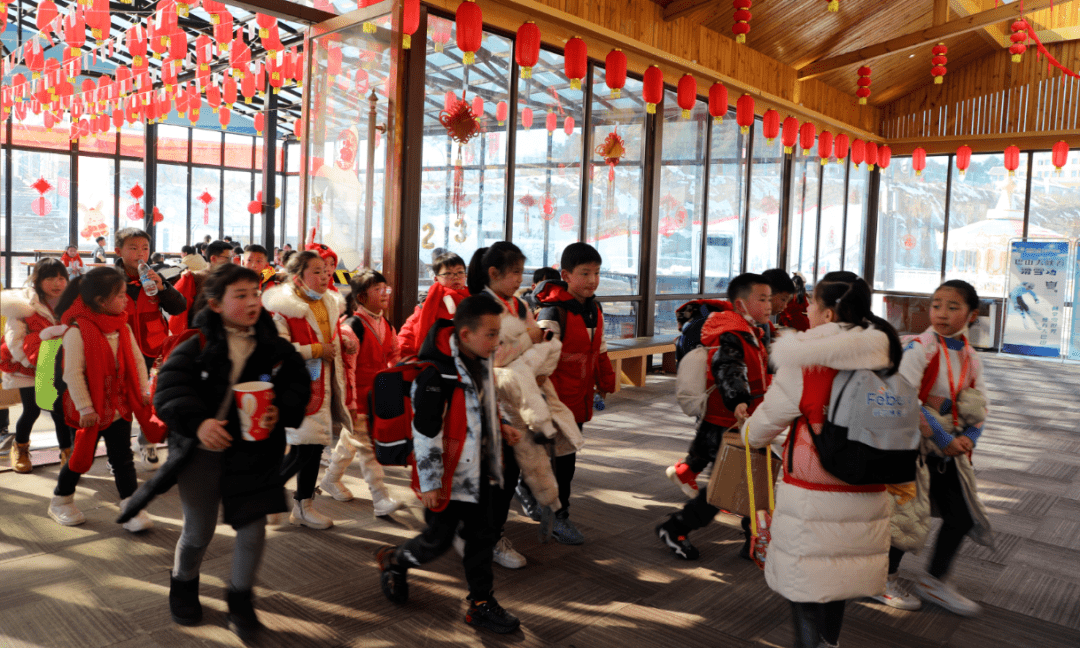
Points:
(682, 477)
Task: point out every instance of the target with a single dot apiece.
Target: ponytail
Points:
(501, 255)
(849, 297)
(99, 282)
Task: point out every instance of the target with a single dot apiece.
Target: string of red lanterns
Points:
(864, 85)
(939, 61)
(742, 18)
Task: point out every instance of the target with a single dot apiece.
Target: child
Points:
(458, 456)
(953, 393)
(100, 345)
(190, 286)
(255, 258)
(72, 261)
(738, 376)
(783, 290)
(209, 457)
(377, 346)
(31, 318)
(238, 255)
(441, 302)
(192, 260)
(306, 313)
(540, 275)
(570, 310)
(829, 539)
(793, 315)
(99, 251)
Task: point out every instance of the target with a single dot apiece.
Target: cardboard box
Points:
(727, 484)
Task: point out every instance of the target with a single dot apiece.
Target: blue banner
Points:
(1074, 339)
(1034, 308)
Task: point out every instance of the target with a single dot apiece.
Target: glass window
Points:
(205, 146)
(238, 195)
(620, 319)
(132, 140)
(31, 131)
(682, 194)
(40, 185)
(291, 206)
(97, 206)
(100, 143)
(132, 192)
(832, 218)
(665, 323)
(205, 203)
(802, 235)
(766, 182)
(986, 211)
(614, 210)
(547, 171)
(173, 202)
(238, 151)
(172, 143)
(911, 219)
(1055, 199)
(855, 236)
(727, 197)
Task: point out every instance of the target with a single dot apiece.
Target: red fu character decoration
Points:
(470, 30)
(1060, 155)
(742, 18)
(687, 94)
(615, 72)
(939, 62)
(864, 85)
(1018, 38)
(718, 104)
(527, 48)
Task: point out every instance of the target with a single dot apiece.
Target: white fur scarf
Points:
(284, 301)
(835, 346)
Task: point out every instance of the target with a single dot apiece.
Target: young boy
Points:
(789, 299)
(569, 309)
(540, 275)
(99, 252)
(255, 257)
(441, 302)
(738, 368)
(190, 286)
(458, 459)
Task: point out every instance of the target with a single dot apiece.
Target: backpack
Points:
(390, 412)
(691, 382)
(871, 434)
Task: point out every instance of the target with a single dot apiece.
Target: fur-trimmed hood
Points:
(20, 303)
(283, 300)
(840, 347)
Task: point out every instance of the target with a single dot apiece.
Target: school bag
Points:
(871, 434)
(691, 373)
(390, 411)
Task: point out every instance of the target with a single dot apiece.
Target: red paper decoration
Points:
(744, 113)
(41, 205)
(46, 14)
(963, 159)
(500, 112)
(551, 122)
(478, 107)
(410, 21)
(527, 48)
(1012, 159)
(871, 155)
(470, 30)
(858, 152)
(824, 146)
(770, 125)
(527, 118)
(460, 123)
(791, 134)
(718, 103)
(687, 94)
(136, 192)
(205, 198)
(1060, 156)
(615, 72)
(884, 157)
(576, 61)
(939, 61)
(918, 160)
(566, 222)
(841, 145)
(158, 216)
(97, 17)
(653, 88)
(260, 122)
(806, 137)
(568, 126)
(864, 85)
(1018, 37)
(612, 150)
(742, 18)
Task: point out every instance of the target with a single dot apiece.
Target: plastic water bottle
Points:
(598, 402)
(148, 284)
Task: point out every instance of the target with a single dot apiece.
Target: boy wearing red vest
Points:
(190, 286)
(569, 309)
(738, 377)
(457, 442)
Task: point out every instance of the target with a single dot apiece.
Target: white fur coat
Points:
(16, 305)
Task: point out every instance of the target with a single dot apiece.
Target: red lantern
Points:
(1060, 156)
(742, 18)
(687, 94)
(260, 122)
(228, 91)
(213, 97)
(744, 113)
(576, 61)
(653, 88)
(568, 126)
(718, 105)
(939, 62)
(46, 14)
(215, 9)
(74, 32)
(33, 58)
(770, 125)
(791, 134)
(1012, 159)
(478, 107)
(527, 48)
(1018, 38)
(470, 30)
(824, 146)
(97, 16)
(871, 155)
(552, 122)
(449, 100)
(223, 31)
(527, 118)
(963, 159)
(240, 53)
(918, 160)
(410, 21)
(500, 112)
(224, 116)
(864, 85)
(615, 72)
(858, 152)
(806, 137)
(884, 157)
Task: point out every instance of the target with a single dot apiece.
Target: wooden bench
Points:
(628, 357)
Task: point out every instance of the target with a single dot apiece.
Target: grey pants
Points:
(200, 498)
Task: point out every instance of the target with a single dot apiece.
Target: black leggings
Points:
(302, 461)
(501, 497)
(817, 621)
(947, 495)
(118, 448)
(30, 415)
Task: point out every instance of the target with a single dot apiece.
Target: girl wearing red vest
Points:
(30, 319)
(306, 313)
(369, 297)
(830, 540)
(73, 261)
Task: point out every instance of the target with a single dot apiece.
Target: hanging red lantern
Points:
(265, 23)
(74, 32)
(824, 146)
(807, 133)
(470, 30)
(939, 61)
(871, 155)
(500, 112)
(1018, 38)
(1060, 156)
(410, 21)
(260, 122)
(576, 61)
(215, 9)
(240, 53)
(744, 113)
(223, 31)
(864, 85)
(963, 159)
(98, 18)
(224, 116)
(449, 100)
(33, 58)
(652, 89)
(551, 122)
(718, 104)
(46, 14)
(858, 152)
(1012, 159)
(568, 126)
(770, 125)
(213, 97)
(884, 157)
(478, 107)
(183, 98)
(687, 94)
(918, 159)
(228, 91)
(742, 18)
(527, 48)
(527, 118)
(790, 134)
(247, 86)
(615, 72)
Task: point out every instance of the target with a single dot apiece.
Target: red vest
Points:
(374, 356)
(301, 332)
(575, 377)
(31, 345)
(148, 324)
(754, 355)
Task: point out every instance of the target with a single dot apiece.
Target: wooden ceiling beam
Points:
(995, 143)
(923, 37)
(681, 8)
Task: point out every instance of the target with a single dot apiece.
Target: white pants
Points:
(348, 446)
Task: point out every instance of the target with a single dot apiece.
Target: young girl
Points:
(377, 345)
(31, 318)
(441, 302)
(72, 261)
(306, 313)
(209, 457)
(105, 380)
(830, 540)
(941, 363)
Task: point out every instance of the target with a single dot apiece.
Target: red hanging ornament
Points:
(41, 205)
(223, 32)
(770, 125)
(807, 133)
(527, 48)
(825, 146)
(615, 72)
(255, 207)
(205, 198)
(46, 14)
(1012, 159)
(98, 18)
(575, 61)
(1019, 37)
(841, 145)
(742, 18)
(551, 122)
(478, 107)
(410, 21)
(158, 216)
(470, 30)
(500, 112)
(918, 159)
(460, 123)
(549, 208)
(215, 9)
(884, 157)
(260, 123)
(864, 85)
(228, 91)
(74, 32)
(744, 113)
(858, 152)
(527, 118)
(652, 89)
(718, 101)
(568, 126)
(440, 31)
(449, 100)
(566, 222)
(687, 94)
(790, 135)
(939, 61)
(1060, 156)
(528, 202)
(871, 155)
(963, 159)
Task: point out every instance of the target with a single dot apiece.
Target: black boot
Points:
(184, 603)
(242, 619)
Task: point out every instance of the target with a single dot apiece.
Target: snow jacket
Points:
(27, 316)
(738, 366)
(440, 303)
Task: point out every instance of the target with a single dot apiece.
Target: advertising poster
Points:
(1074, 339)
(1034, 307)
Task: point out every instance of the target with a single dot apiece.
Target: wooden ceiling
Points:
(799, 33)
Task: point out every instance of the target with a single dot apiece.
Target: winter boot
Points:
(242, 619)
(304, 514)
(62, 509)
(331, 481)
(20, 458)
(140, 522)
(184, 601)
(392, 575)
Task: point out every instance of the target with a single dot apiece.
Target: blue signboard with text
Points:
(1035, 306)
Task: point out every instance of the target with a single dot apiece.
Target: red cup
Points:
(253, 399)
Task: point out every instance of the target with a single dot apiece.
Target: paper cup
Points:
(253, 399)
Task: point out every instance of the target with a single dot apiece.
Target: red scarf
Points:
(429, 312)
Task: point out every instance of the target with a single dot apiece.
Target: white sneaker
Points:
(63, 510)
(506, 556)
(382, 503)
(933, 590)
(141, 521)
(304, 514)
(335, 489)
(897, 596)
